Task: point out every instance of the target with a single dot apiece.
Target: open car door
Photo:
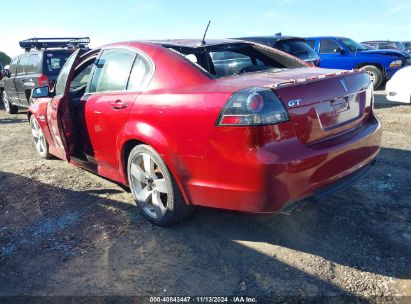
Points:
(58, 110)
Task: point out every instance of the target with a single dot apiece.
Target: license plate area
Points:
(339, 111)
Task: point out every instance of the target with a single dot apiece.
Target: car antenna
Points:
(203, 42)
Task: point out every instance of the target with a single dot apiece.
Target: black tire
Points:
(375, 74)
(8, 106)
(170, 206)
(40, 142)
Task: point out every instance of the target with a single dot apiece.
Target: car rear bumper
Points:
(331, 189)
(397, 91)
(399, 97)
(278, 175)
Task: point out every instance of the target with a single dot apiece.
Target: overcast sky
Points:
(110, 21)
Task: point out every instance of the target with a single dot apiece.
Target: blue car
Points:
(344, 53)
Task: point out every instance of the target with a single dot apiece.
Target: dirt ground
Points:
(64, 231)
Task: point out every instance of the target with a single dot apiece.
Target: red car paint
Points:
(254, 169)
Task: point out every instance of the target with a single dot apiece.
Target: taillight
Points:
(253, 107)
(43, 81)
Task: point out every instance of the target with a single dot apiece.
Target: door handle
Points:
(118, 104)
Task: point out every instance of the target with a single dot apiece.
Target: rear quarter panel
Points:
(177, 125)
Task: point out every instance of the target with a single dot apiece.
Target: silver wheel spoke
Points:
(42, 145)
(143, 196)
(161, 185)
(39, 140)
(157, 204)
(148, 165)
(138, 174)
(35, 133)
(38, 145)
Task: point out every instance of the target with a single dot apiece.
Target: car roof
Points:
(274, 37)
(382, 41)
(193, 43)
(36, 51)
(326, 37)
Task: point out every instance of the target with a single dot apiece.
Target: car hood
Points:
(385, 52)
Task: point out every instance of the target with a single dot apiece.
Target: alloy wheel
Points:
(149, 185)
(38, 137)
(372, 76)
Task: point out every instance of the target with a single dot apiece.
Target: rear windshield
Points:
(234, 59)
(54, 61)
(298, 49)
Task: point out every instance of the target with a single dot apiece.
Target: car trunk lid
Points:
(324, 107)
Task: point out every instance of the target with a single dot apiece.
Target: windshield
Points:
(352, 45)
(298, 49)
(234, 59)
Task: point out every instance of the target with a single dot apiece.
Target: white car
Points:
(399, 86)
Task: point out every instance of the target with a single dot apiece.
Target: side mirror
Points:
(339, 50)
(41, 92)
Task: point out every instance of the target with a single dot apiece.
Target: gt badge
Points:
(294, 102)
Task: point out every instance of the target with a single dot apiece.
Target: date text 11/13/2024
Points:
(204, 299)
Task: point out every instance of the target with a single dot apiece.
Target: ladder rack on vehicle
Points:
(46, 43)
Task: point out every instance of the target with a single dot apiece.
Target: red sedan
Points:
(225, 124)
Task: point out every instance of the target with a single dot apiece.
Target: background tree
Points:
(4, 59)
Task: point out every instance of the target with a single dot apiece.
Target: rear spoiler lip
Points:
(293, 82)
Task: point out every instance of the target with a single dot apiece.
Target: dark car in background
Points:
(345, 53)
(391, 50)
(295, 46)
(38, 66)
(407, 45)
(386, 44)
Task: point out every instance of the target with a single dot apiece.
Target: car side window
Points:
(327, 46)
(112, 70)
(82, 78)
(311, 43)
(140, 74)
(21, 66)
(33, 63)
(13, 67)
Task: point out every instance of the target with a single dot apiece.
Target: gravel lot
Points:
(64, 231)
